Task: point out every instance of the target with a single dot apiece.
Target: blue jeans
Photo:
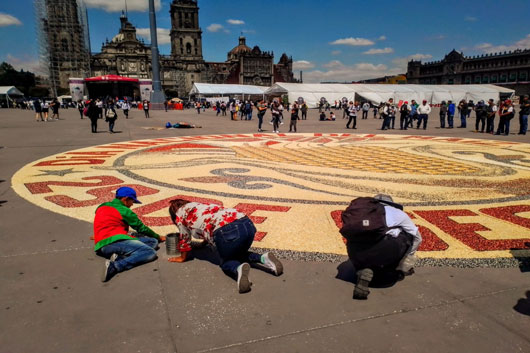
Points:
(233, 241)
(260, 120)
(463, 117)
(131, 253)
(424, 118)
(442, 120)
(450, 120)
(523, 121)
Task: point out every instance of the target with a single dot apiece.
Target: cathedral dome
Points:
(240, 49)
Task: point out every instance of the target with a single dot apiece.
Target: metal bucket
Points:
(171, 244)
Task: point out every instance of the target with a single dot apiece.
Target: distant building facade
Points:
(510, 69)
(63, 40)
(126, 55)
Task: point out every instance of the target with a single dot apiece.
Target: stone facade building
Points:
(509, 69)
(125, 55)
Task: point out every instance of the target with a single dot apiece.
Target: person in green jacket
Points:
(112, 239)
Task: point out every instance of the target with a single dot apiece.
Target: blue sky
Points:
(335, 40)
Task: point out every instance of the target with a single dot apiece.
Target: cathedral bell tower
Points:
(186, 35)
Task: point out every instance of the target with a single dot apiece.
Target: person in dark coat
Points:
(93, 115)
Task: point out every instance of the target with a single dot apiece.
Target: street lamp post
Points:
(157, 96)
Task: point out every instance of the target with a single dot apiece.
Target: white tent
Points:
(6, 92)
(377, 93)
(312, 92)
(210, 89)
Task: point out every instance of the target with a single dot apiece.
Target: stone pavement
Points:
(52, 300)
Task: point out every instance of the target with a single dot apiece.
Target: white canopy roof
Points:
(377, 93)
(10, 91)
(224, 89)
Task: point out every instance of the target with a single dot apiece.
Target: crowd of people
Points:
(411, 114)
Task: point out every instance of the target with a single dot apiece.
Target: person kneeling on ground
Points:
(232, 233)
(111, 226)
(380, 238)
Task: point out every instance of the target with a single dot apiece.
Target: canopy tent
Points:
(211, 89)
(7, 92)
(111, 78)
(312, 92)
(112, 86)
(377, 93)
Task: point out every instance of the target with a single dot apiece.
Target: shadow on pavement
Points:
(346, 272)
(524, 262)
(523, 305)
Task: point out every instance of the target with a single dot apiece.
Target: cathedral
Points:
(126, 55)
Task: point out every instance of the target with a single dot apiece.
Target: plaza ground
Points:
(52, 300)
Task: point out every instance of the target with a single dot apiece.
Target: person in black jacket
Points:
(93, 115)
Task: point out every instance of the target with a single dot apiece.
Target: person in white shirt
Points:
(423, 114)
(366, 109)
(392, 254)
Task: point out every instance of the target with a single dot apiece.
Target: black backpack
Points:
(364, 221)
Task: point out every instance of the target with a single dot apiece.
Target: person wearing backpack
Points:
(111, 115)
(380, 238)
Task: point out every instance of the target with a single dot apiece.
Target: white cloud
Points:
(235, 22)
(382, 38)
(401, 63)
(379, 51)
(470, 19)
(490, 48)
(26, 63)
(8, 20)
(162, 35)
(352, 41)
(118, 6)
(302, 65)
(215, 27)
(338, 72)
(336, 52)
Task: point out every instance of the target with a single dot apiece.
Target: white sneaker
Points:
(243, 283)
(272, 263)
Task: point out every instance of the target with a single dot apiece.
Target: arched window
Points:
(188, 48)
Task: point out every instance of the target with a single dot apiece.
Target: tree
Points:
(22, 80)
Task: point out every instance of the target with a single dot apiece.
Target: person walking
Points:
(145, 106)
(523, 115)
(352, 115)
(231, 233)
(111, 115)
(404, 112)
(55, 105)
(45, 109)
(112, 239)
(423, 114)
(262, 109)
(93, 115)
(38, 110)
(99, 105)
(80, 107)
(126, 107)
(443, 114)
(294, 118)
(276, 111)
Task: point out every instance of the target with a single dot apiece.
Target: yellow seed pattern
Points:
(368, 158)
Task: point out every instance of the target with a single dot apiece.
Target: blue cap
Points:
(126, 191)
